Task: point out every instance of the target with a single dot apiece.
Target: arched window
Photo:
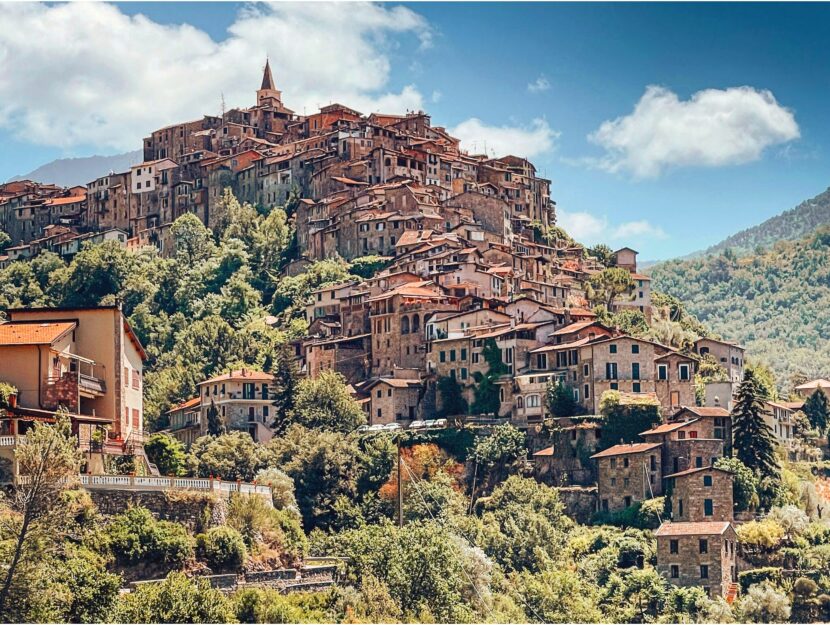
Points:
(404, 325)
(533, 401)
(416, 323)
(520, 402)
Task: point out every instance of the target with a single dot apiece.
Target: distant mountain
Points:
(776, 302)
(788, 226)
(69, 172)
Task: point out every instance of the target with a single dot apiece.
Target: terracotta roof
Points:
(704, 528)
(240, 374)
(668, 427)
(696, 470)
(814, 384)
(706, 411)
(575, 327)
(622, 450)
(544, 452)
(23, 333)
(190, 403)
(395, 382)
(561, 346)
(72, 199)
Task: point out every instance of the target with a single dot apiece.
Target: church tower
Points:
(267, 94)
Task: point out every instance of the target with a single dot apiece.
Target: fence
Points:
(153, 483)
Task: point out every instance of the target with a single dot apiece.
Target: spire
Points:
(267, 79)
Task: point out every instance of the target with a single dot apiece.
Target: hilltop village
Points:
(462, 308)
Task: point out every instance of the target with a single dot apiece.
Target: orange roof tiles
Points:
(622, 450)
(72, 199)
(21, 333)
(190, 403)
(706, 411)
(241, 374)
(668, 427)
(705, 528)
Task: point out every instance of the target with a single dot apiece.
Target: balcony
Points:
(70, 379)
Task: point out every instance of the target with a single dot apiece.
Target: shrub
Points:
(166, 453)
(262, 527)
(177, 599)
(756, 576)
(222, 548)
(764, 603)
(760, 535)
(136, 536)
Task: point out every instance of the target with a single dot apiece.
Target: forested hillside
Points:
(776, 303)
(788, 226)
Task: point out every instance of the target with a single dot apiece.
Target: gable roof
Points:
(240, 374)
(705, 411)
(665, 428)
(705, 528)
(625, 449)
(34, 332)
(697, 470)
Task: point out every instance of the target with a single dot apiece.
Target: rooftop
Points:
(702, 528)
(246, 375)
(34, 332)
(625, 449)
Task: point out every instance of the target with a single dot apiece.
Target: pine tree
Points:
(560, 400)
(752, 439)
(284, 387)
(215, 426)
(817, 410)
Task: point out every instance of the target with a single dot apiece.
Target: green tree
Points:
(609, 284)
(631, 322)
(178, 599)
(50, 459)
(232, 456)
(764, 603)
(559, 399)
(5, 241)
(135, 536)
(818, 411)
(744, 482)
(325, 402)
(223, 548)
(752, 439)
(603, 254)
(193, 242)
(487, 399)
(98, 272)
(623, 421)
(284, 386)
(166, 453)
(452, 398)
(215, 424)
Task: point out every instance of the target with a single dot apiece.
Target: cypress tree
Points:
(284, 387)
(215, 426)
(752, 439)
(817, 411)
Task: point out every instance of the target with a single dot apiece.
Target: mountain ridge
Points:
(69, 172)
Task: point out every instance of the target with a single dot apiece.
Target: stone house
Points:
(728, 355)
(348, 355)
(185, 421)
(397, 318)
(243, 400)
(567, 462)
(395, 399)
(712, 421)
(628, 473)
(686, 444)
(701, 494)
(699, 554)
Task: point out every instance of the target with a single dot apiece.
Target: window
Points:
(612, 348)
(610, 370)
(636, 388)
(533, 401)
(662, 372)
(613, 463)
(585, 370)
(520, 402)
(136, 419)
(675, 571)
(698, 461)
(627, 501)
(613, 481)
(635, 370)
(653, 462)
(680, 507)
(703, 545)
(136, 380)
(463, 353)
(452, 355)
(708, 507)
(380, 413)
(615, 386)
(683, 370)
(635, 349)
(707, 480)
(265, 412)
(605, 505)
(586, 390)
(704, 571)
(674, 546)
(379, 393)
(625, 463)
(442, 357)
(405, 325)
(463, 373)
(126, 376)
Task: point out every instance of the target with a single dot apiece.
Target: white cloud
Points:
(86, 74)
(524, 141)
(590, 229)
(539, 85)
(715, 127)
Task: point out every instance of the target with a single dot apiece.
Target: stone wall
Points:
(580, 502)
(719, 557)
(197, 511)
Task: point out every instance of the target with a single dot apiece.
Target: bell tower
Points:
(267, 94)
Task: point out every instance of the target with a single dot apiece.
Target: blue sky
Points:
(729, 126)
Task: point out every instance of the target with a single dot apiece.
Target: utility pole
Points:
(400, 484)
